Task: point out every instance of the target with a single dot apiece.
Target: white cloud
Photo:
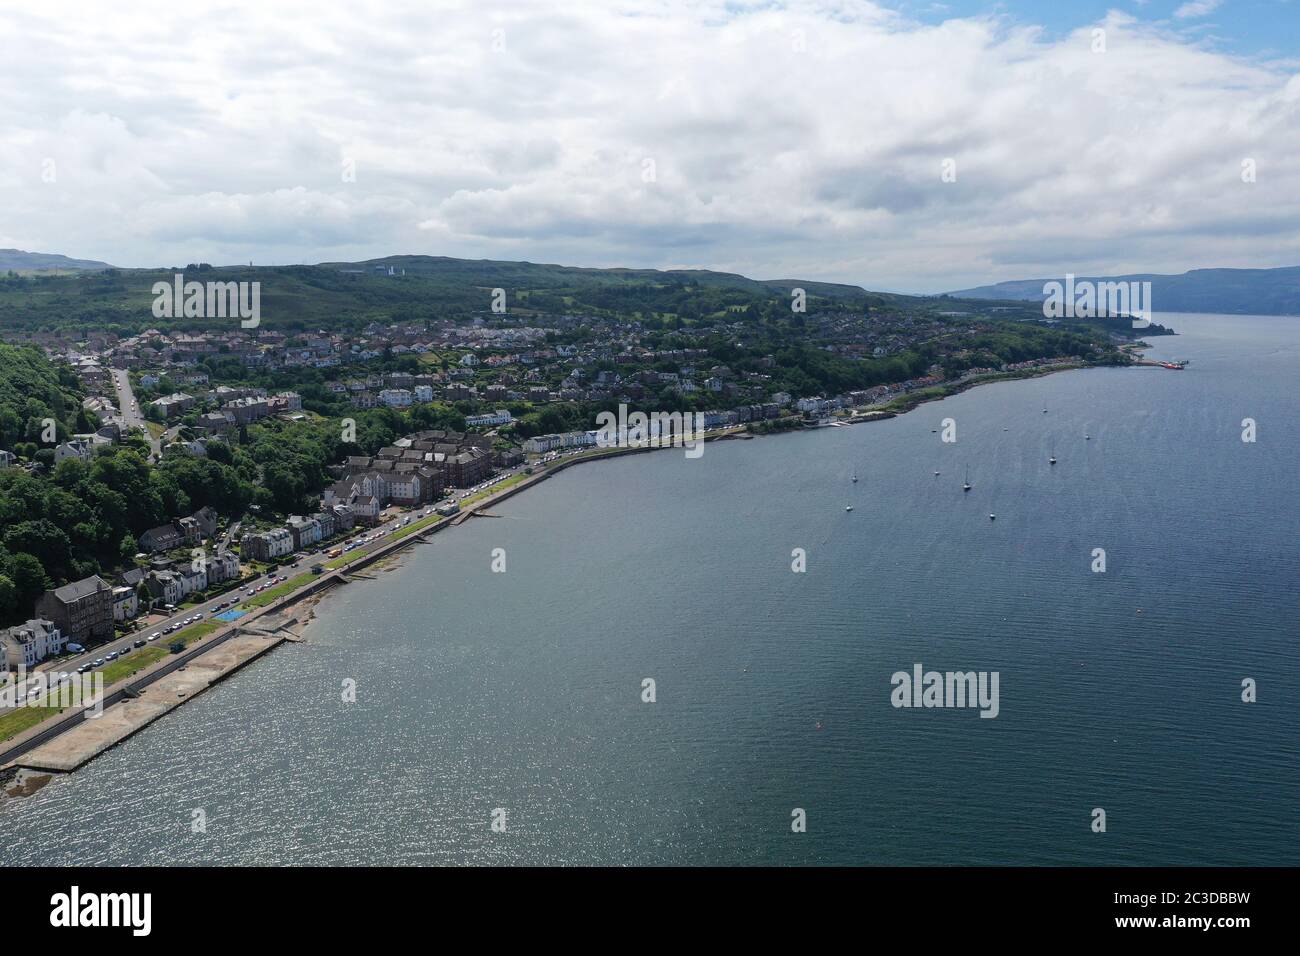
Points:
(1197, 8)
(801, 141)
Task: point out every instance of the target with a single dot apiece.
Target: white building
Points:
(499, 417)
(305, 531)
(77, 448)
(192, 579)
(27, 644)
(165, 586)
(126, 604)
(224, 566)
(395, 397)
(540, 444)
(268, 545)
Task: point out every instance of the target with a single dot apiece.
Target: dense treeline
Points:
(296, 298)
(61, 523)
(31, 391)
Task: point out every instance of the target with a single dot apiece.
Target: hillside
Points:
(1228, 291)
(341, 294)
(32, 390)
(20, 261)
(506, 274)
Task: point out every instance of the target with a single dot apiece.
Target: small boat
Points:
(1052, 460)
(848, 507)
(854, 479)
(1087, 438)
(966, 485)
(992, 516)
(1044, 411)
(936, 473)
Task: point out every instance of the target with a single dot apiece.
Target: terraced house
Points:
(25, 645)
(82, 610)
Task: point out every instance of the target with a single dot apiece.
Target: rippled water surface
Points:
(522, 690)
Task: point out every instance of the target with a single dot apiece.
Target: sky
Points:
(915, 146)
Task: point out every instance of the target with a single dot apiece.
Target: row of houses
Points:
(240, 406)
(85, 611)
(170, 582)
(79, 611)
(541, 444)
(183, 532)
(303, 531)
(413, 471)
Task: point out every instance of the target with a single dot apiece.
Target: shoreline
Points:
(78, 745)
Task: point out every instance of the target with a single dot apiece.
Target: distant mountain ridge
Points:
(17, 259)
(541, 275)
(1226, 291)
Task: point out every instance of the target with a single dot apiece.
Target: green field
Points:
(16, 721)
(279, 591)
(137, 660)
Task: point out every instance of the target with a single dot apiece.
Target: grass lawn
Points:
(279, 591)
(479, 496)
(15, 721)
(415, 526)
(137, 660)
(188, 635)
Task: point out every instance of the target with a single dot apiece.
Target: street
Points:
(131, 413)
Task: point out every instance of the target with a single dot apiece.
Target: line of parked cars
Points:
(140, 642)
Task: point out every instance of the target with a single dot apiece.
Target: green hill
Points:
(337, 294)
(31, 391)
(20, 261)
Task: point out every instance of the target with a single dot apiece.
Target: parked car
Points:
(140, 642)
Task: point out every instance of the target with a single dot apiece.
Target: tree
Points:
(8, 597)
(30, 579)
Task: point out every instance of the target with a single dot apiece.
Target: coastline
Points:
(77, 746)
(392, 562)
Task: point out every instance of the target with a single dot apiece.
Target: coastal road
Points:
(233, 598)
(130, 411)
(221, 603)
